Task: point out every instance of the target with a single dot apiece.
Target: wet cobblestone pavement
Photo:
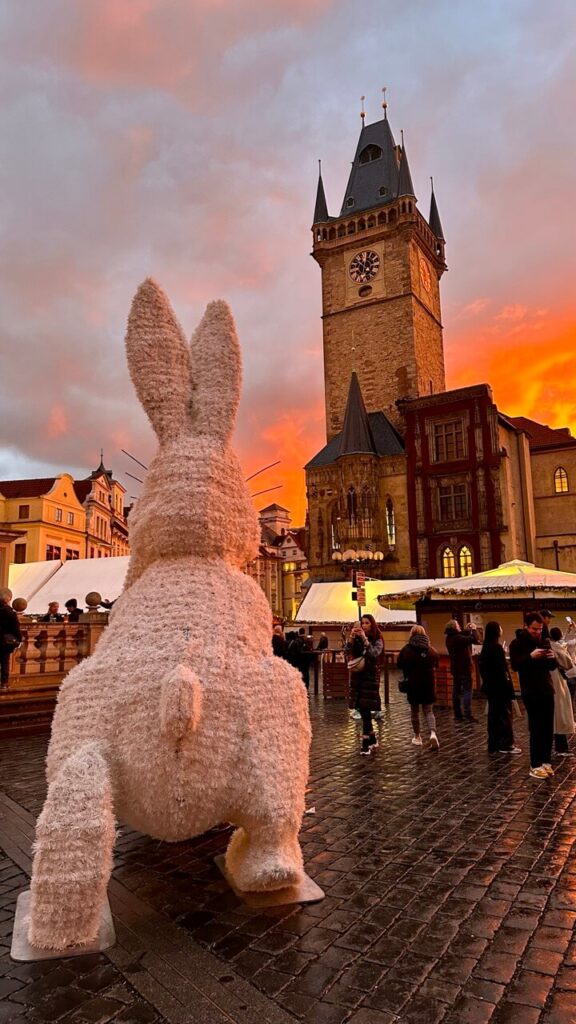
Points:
(450, 883)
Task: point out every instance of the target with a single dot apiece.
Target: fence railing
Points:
(49, 650)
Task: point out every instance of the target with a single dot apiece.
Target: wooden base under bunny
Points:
(305, 891)
(22, 952)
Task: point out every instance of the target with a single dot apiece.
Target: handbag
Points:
(9, 642)
(403, 685)
(357, 664)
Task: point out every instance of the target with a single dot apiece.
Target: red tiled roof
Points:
(541, 436)
(27, 488)
(82, 489)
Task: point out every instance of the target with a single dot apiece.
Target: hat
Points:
(549, 615)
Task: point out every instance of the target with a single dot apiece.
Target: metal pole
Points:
(555, 545)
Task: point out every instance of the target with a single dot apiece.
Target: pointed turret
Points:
(405, 186)
(321, 207)
(434, 218)
(373, 179)
(356, 436)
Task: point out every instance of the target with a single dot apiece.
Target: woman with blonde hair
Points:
(417, 661)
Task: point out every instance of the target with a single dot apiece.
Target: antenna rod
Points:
(134, 459)
(263, 470)
(131, 475)
(276, 488)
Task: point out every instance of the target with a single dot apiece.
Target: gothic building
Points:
(422, 481)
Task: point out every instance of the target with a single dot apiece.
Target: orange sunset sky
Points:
(180, 138)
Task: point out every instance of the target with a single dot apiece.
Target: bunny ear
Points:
(159, 362)
(216, 372)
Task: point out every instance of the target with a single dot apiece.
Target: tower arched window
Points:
(390, 523)
(352, 505)
(448, 563)
(465, 561)
(560, 481)
(370, 153)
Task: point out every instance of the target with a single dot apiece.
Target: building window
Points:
(24, 512)
(71, 554)
(453, 501)
(390, 523)
(448, 563)
(352, 505)
(19, 553)
(561, 481)
(58, 515)
(350, 201)
(465, 560)
(70, 518)
(91, 552)
(53, 553)
(448, 441)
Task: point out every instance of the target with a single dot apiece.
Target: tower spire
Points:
(434, 218)
(321, 207)
(362, 112)
(356, 434)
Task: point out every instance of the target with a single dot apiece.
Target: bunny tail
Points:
(180, 703)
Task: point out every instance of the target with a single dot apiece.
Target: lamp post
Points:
(354, 561)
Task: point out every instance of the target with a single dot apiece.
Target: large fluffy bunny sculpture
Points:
(182, 718)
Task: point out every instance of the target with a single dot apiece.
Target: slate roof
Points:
(541, 436)
(367, 179)
(27, 488)
(387, 441)
(405, 186)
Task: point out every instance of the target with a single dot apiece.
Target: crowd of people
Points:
(544, 660)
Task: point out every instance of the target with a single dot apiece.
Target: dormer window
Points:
(350, 201)
(382, 191)
(370, 153)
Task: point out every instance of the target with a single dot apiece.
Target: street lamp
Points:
(352, 557)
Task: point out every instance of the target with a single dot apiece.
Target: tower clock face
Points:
(425, 274)
(364, 266)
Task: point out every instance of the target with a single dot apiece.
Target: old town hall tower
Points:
(381, 264)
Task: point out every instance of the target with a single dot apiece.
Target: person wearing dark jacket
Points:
(498, 688)
(417, 661)
(459, 646)
(279, 645)
(365, 643)
(533, 662)
(10, 635)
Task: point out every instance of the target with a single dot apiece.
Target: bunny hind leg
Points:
(73, 853)
(265, 856)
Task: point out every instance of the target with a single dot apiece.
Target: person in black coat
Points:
(10, 635)
(279, 645)
(417, 660)
(533, 662)
(366, 643)
(498, 688)
(459, 646)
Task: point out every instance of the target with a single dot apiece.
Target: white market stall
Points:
(504, 594)
(332, 602)
(25, 579)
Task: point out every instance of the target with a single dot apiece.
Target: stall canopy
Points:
(332, 602)
(76, 579)
(515, 576)
(25, 579)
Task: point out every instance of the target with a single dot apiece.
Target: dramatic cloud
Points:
(179, 138)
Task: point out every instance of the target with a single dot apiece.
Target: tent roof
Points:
(26, 578)
(331, 602)
(76, 578)
(509, 577)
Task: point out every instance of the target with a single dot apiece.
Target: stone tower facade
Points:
(381, 264)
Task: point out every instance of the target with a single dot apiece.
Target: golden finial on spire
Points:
(384, 102)
(362, 112)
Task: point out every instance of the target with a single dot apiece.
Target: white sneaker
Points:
(434, 744)
(355, 714)
(417, 741)
(512, 750)
(538, 773)
(548, 769)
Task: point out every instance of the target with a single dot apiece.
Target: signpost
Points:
(359, 589)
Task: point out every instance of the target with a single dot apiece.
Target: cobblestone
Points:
(450, 886)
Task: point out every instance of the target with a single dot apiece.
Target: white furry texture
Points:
(182, 706)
